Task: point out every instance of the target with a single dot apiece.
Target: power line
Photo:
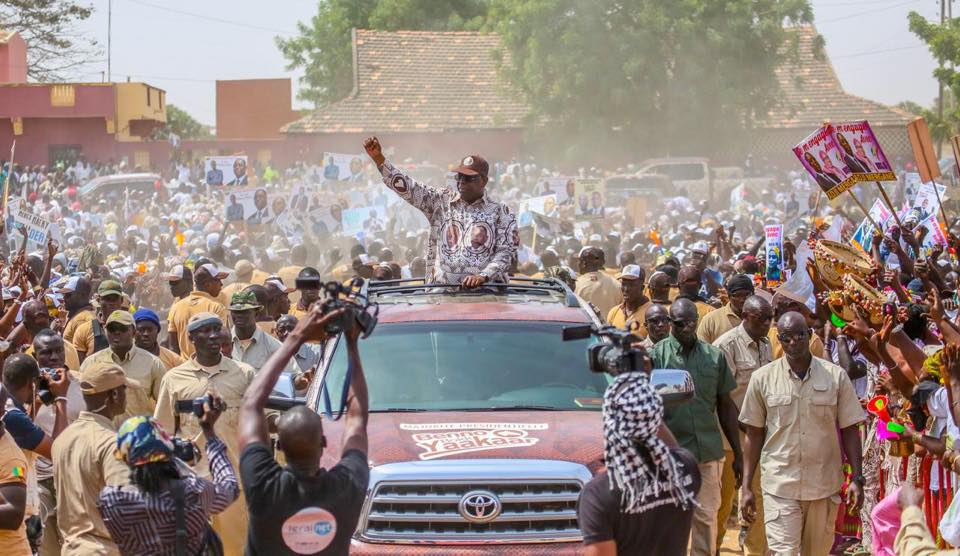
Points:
(866, 12)
(214, 19)
(871, 52)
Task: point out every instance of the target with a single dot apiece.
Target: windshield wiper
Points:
(398, 410)
(515, 408)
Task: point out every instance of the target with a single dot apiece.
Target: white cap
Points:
(69, 285)
(175, 273)
(278, 283)
(630, 272)
(213, 271)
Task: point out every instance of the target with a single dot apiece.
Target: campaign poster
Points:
(343, 167)
(225, 170)
(38, 229)
(774, 244)
(821, 158)
(591, 198)
(738, 198)
(363, 219)
(861, 152)
(544, 205)
(926, 199)
(564, 187)
(326, 219)
(253, 205)
(863, 236)
(934, 235)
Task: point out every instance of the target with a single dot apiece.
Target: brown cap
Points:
(473, 165)
(103, 376)
(243, 268)
(120, 317)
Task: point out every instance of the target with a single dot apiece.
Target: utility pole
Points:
(110, 32)
(943, 20)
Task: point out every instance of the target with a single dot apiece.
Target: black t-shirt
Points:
(663, 530)
(294, 514)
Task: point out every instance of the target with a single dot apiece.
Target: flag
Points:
(19, 472)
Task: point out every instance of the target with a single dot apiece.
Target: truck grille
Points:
(539, 508)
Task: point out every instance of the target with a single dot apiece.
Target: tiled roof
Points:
(812, 93)
(420, 81)
(426, 81)
(5, 35)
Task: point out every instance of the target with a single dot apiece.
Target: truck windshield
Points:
(460, 365)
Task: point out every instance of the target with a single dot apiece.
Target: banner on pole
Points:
(774, 246)
(862, 153)
(821, 157)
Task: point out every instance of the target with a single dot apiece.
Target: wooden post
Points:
(865, 212)
(886, 198)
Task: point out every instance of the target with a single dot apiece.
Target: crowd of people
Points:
(155, 298)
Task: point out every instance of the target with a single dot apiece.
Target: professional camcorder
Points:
(183, 448)
(614, 357)
(195, 405)
(43, 384)
(355, 304)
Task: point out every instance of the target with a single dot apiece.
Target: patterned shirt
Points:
(465, 238)
(146, 523)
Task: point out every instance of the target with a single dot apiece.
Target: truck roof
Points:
(521, 300)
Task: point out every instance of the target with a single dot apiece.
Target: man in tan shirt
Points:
(209, 370)
(76, 292)
(148, 328)
(242, 277)
(739, 287)
(110, 298)
(746, 348)
(138, 364)
(203, 299)
(594, 285)
(84, 461)
(791, 411)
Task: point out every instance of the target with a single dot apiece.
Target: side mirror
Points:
(284, 387)
(675, 386)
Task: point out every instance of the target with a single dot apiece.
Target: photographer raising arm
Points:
(303, 492)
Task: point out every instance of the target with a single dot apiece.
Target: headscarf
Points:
(141, 440)
(632, 413)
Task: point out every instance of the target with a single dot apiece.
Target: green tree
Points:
(54, 48)
(324, 50)
(626, 77)
(944, 43)
(183, 125)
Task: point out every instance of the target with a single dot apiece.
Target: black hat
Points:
(308, 278)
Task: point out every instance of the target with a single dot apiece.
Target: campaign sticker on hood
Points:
(440, 440)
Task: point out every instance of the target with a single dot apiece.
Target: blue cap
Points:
(915, 287)
(146, 314)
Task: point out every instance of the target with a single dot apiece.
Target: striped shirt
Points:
(146, 523)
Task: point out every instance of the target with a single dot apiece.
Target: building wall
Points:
(253, 108)
(136, 103)
(66, 100)
(39, 134)
(13, 60)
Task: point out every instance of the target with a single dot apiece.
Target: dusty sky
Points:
(185, 46)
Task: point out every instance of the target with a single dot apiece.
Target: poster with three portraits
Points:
(838, 156)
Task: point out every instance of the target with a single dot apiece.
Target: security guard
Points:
(208, 280)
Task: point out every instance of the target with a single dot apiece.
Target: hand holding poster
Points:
(225, 170)
(821, 158)
(861, 152)
(39, 230)
(774, 246)
(343, 167)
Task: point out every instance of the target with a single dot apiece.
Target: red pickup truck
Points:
(484, 424)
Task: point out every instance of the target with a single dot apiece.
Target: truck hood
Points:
(574, 436)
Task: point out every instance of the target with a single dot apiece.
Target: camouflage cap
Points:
(244, 301)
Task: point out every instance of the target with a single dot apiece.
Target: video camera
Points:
(185, 449)
(614, 357)
(356, 306)
(43, 384)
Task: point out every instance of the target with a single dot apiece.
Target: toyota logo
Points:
(480, 506)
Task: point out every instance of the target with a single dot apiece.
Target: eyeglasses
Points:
(790, 338)
(682, 323)
(468, 179)
(657, 320)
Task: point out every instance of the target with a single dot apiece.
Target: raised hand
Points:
(374, 150)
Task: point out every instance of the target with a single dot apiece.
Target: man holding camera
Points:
(84, 461)
(138, 364)
(457, 221)
(209, 370)
(302, 491)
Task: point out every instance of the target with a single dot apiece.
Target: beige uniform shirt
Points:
(599, 288)
(744, 356)
(71, 328)
(716, 322)
(140, 365)
(180, 313)
(188, 381)
(289, 276)
(84, 463)
(258, 350)
(230, 289)
(170, 359)
(13, 470)
(800, 458)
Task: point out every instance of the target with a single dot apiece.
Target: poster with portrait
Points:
(861, 151)
(343, 167)
(934, 235)
(225, 170)
(773, 235)
(591, 198)
(325, 219)
(926, 199)
(253, 205)
(864, 233)
(368, 220)
(820, 156)
(564, 187)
